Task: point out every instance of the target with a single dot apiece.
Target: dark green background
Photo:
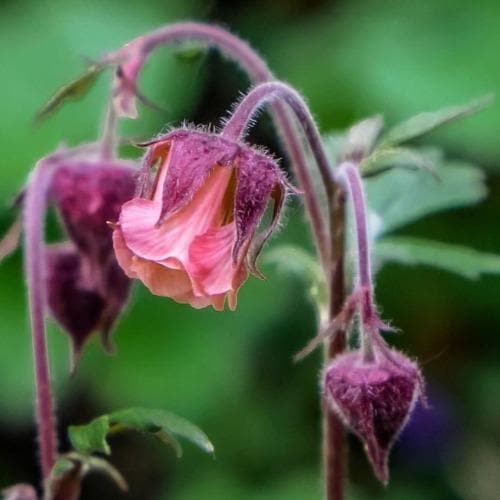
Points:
(231, 373)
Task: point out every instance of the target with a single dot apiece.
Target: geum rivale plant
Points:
(185, 221)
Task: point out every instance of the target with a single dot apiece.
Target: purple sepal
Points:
(89, 194)
(84, 298)
(374, 399)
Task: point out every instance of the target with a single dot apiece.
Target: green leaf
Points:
(461, 260)
(383, 159)
(75, 89)
(295, 260)
(165, 426)
(399, 197)
(91, 437)
(361, 137)
(426, 122)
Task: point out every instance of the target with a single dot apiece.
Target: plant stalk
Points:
(334, 435)
(34, 210)
(334, 447)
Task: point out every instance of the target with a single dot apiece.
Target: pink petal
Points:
(211, 264)
(123, 255)
(172, 238)
(162, 281)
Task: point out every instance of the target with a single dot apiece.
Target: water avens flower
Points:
(191, 233)
(374, 399)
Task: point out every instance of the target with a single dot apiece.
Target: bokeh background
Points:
(232, 373)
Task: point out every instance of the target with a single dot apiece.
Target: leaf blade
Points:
(166, 426)
(76, 89)
(399, 197)
(464, 261)
(428, 121)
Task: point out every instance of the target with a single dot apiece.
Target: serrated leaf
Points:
(75, 89)
(399, 197)
(426, 122)
(457, 259)
(383, 159)
(295, 260)
(164, 425)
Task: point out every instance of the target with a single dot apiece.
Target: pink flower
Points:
(190, 235)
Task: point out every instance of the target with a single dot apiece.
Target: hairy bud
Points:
(86, 287)
(374, 399)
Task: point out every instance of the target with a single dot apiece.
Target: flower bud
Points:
(86, 287)
(374, 399)
(84, 298)
(89, 194)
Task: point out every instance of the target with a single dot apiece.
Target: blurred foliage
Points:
(232, 373)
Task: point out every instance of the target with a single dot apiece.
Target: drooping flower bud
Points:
(86, 287)
(89, 195)
(189, 234)
(374, 399)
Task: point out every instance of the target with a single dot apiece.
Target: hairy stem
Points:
(348, 175)
(334, 441)
(237, 125)
(333, 430)
(34, 210)
(238, 50)
(108, 137)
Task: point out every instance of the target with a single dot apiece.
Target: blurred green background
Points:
(232, 373)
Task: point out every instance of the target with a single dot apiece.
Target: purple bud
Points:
(90, 194)
(374, 399)
(82, 297)
(86, 287)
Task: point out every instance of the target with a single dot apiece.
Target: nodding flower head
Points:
(375, 399)
(86, 287)
(191, 233)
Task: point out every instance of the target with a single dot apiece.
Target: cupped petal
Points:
(172, 238)
(211, 266)
(124, 256)
(192, 158)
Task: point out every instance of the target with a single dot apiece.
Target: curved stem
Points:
(348, 175)
(34, 210)
(238, 50)
(334, 447)
(237, 125)
(108, 137)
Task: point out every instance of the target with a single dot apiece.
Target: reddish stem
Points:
(34, 210)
